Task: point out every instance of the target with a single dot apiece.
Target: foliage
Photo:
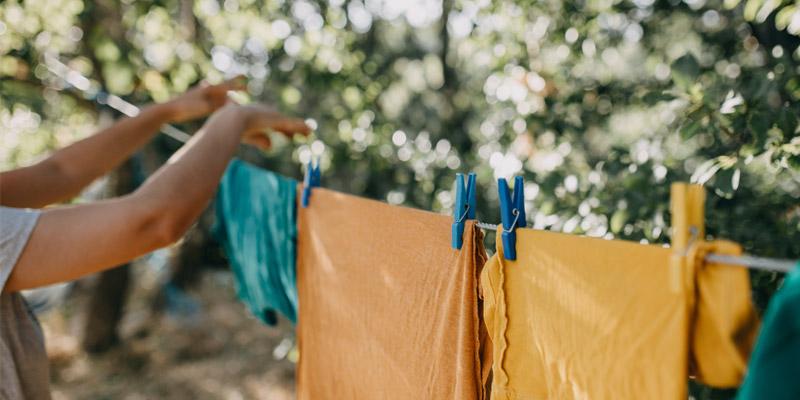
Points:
(600, 104)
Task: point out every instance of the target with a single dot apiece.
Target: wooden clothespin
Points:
(687, 205)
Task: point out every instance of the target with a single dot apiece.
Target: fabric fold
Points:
(389, 310)
(724, 322)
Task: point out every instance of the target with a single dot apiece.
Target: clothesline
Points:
(81, 83)
(752, 262)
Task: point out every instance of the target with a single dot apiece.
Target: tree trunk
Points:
(106, 309)
(111, 289)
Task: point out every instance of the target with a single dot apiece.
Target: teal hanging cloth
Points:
(257, 227)
(774, 368)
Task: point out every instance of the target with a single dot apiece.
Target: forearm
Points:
(70, 242)
(88, 159)
(64, 174)
(186, 183)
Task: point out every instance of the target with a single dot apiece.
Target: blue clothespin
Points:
(464, 208)
(512, 214)
(310, 180)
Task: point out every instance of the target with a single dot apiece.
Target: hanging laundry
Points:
(774, 369)
(724, 324)
(389, 309)
(256, 225)
(585, 318)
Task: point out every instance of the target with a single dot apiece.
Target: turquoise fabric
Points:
(774, 369)
(257, 227)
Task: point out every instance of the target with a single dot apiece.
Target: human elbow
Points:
(164, 224)
(170, 228)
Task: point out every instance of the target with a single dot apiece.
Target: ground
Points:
(225, 354)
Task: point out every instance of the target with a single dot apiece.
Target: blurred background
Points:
(599, 104)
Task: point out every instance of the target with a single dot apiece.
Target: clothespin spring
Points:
(464, 216)
(513, 226)
(511, 206)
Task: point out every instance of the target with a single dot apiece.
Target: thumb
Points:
(291, 126)
(237, 83)
(260, 141)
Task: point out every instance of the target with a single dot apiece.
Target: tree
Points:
(600, 105)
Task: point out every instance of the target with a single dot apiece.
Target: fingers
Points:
(217, 95)
(291, 126)
(262, 142)
(265, 118)
(237, 83)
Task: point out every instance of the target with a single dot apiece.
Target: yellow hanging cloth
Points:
(724, 321)
(584, 318)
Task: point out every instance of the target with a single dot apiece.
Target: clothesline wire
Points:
(76, 80)
(752, 262)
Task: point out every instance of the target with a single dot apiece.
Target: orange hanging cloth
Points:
(387, 309)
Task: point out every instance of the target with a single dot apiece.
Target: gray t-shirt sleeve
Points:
(16, 225)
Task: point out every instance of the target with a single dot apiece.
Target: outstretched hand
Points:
(259, 120)
(203, 99)
(262, 119)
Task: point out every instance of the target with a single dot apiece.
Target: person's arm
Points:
(65, 173)
(72, 241)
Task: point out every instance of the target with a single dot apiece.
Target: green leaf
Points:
(653, 98)
(685, 71)
(732, 101)
(787, 122)
(618, 220)
(751, 9)
(759, 123)
(794, 161)
(705, 171)
(690, 128)
(784, 17)
(726, 182)
(731, 4)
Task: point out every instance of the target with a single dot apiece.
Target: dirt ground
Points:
(222, 354)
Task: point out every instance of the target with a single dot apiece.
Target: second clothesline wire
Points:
(79, 82)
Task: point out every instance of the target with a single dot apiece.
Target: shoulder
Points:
(16, 225)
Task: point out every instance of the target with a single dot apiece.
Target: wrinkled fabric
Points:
(724, 322)
(584, 318)
(257, 227)
(774, 368)
(388, 309)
